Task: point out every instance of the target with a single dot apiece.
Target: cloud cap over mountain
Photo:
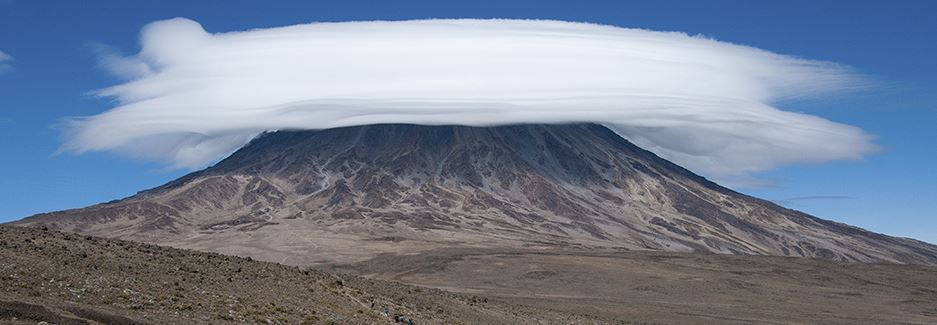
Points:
(191, 97)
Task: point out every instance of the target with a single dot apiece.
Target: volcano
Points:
(349, 194)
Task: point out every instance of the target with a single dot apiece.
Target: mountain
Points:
(348, 194)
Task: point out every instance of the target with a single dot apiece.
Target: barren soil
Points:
(677, 288)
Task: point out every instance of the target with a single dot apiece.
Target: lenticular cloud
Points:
(191, 97)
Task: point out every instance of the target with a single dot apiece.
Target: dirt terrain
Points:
(65, 278)
(677, 288)
(62, 278)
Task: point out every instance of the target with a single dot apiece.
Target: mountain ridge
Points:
(399, 187)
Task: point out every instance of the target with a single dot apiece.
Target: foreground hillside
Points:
(64, 278)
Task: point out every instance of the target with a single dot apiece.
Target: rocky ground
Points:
(62, 278)
(676, 288)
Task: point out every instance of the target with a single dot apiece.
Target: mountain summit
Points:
(347, 194)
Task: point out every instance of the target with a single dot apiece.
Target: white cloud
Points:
(4, 62)
(193, 97)
(128, 68)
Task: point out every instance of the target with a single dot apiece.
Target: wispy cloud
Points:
(5, 62)
(119, 65)
(794, 200)
(193, 97)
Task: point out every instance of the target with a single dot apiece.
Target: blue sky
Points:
(54, 67)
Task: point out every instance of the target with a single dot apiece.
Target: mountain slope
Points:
(347, 194)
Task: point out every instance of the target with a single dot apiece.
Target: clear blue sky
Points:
(893, 42)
